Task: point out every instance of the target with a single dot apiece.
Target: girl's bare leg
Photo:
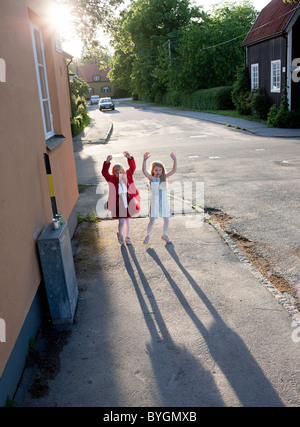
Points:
(120, 230)
(165, 230)
(166, 225)
(149, 230)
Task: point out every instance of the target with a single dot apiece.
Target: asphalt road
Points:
(253, 179)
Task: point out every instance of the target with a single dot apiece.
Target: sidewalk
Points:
(169, 325)
(187, 324)
(97, 132)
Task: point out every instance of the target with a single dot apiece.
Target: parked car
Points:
(106, 104)
(95, 99)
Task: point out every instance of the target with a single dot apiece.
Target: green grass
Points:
(88, 218)
(229, 113)
(234, 113)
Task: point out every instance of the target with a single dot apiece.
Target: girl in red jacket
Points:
(123, 197)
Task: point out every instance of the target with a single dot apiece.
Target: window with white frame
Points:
(275, 75)
(105, 89)
(254, 76)
(41, 73)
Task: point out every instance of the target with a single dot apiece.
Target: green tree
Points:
(208, 52)
(79, 88)
(171, 46)
(121, 69)
(89, 16)
(142, 29)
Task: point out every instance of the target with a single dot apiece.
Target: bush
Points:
(257, 103)
(241, 90)
(245, 100)
(80, 103)
(79, 122)
(282, 117)
(121, 93)
(218, 98)
(75, 126)
(81, 118)
(173, 99)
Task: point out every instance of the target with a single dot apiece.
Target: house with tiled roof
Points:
(272, 48)
(97, 79)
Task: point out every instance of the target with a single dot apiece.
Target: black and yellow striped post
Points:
(50, 184)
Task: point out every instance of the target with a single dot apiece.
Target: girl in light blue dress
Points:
(159, 204)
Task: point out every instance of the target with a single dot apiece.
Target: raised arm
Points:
(174, 169)
(131, 161)
(147, 174)
(105, 169)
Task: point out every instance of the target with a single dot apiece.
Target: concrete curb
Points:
(79, 143)
(109, 132)
(104, 140)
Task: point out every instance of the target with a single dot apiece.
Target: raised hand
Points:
(147, 174)
(174, 169)
(109, 158)
(126, 154)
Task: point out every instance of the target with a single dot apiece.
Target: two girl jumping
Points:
(124, 198)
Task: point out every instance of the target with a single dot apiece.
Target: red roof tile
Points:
(86, 72)
(272, 20)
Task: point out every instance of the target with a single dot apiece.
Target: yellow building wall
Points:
(25, 206)
(97, 86)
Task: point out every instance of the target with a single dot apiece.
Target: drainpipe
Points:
(288, 70)
(286, 64)
(70, 90)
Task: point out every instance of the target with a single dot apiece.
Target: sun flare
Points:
(62, 22)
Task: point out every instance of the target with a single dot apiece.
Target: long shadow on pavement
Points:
(226, 348)
(181, 380)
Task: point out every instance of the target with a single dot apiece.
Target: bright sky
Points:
(73, 45)
(207, 4)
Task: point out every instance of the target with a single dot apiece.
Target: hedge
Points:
(217, 98)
